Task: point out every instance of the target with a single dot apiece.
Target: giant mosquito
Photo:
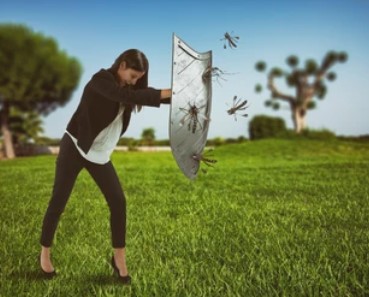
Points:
(238, 105)
(192, 114)
(205, 158)
(230, 40)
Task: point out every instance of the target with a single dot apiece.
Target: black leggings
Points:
(68, 165)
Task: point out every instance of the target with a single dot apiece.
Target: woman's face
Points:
(128, 76)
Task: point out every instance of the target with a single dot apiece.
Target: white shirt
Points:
(105, 141)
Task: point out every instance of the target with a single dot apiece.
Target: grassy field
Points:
(273, 218)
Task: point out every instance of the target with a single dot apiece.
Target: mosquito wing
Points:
(242, 105)
(232, 43)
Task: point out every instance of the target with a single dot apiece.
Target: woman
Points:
(102, 116)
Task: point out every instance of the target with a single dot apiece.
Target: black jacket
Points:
(99, 106)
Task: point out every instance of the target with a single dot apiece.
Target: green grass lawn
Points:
(273, 218)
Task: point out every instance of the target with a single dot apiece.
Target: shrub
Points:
(217, 141)
(323, 134)
(263, 126)
(360, 138)
(43, 140)
(126, 141)
(162, 142)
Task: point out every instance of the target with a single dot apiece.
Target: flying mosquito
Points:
(205, 158)
(238, 105)
(230, 40)
(192, 114)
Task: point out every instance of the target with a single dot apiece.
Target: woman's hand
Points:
(165, 93)
(165, 96)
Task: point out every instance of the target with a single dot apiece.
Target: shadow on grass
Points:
(33, 275)
(37, 275)
(99, 279)
(94, 280)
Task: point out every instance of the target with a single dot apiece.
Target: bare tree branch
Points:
(275, 92)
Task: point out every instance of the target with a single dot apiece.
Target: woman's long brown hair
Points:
(135, 60)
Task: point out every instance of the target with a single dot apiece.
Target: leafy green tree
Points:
(36, 76)
(25, 125)
(148, 136)
(308, 81)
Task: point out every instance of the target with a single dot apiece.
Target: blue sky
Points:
(96, 32)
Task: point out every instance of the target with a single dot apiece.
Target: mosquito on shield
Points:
(192, 116)
(205, 158)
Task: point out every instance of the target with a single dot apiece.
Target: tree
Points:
(309, 82)
(148, 136)
(25, 126)
(36, 76)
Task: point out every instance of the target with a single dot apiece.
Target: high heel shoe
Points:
(47, 275)
(124, 279)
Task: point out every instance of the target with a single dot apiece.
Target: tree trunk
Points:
(298, 118)
(7, 135)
